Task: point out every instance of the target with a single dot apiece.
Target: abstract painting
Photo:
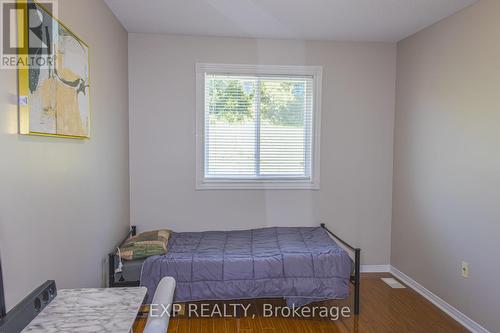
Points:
(54, 98)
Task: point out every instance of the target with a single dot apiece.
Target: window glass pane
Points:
(283, 132)
(257, 127)
(229, 127)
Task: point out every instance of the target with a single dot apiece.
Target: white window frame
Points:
(312, 183)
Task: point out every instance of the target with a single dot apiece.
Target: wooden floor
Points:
(383, 310)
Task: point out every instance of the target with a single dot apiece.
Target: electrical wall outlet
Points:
(465, 269)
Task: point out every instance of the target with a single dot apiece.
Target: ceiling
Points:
(340, 20)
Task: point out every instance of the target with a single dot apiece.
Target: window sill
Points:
(256, 185)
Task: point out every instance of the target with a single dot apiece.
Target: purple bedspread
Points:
(300, 264)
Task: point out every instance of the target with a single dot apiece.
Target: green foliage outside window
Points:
(281, 102)
(228, 101)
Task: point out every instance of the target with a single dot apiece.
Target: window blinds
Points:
(258, 127)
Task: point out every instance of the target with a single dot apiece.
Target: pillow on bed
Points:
(145, 244)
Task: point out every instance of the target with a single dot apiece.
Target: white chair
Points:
(158, 322)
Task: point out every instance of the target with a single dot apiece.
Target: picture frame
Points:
(54, 89)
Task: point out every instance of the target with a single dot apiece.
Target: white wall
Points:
(447, 161)
(356, 141)
(65, 203)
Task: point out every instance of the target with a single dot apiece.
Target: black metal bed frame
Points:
(355, 277)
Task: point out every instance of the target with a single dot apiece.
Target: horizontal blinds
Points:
(258, 127)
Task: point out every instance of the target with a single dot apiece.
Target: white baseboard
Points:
(468, 323)
(375, 268)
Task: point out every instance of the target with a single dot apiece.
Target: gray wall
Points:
(64, 203)
(447, 160)
(356, 139)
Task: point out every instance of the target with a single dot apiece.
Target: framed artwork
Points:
(54, 92)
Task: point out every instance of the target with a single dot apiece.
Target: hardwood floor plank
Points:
(139, 325)
(207, 325)
(230, 325)
(183, 325)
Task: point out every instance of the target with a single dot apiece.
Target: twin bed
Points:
(302, 265)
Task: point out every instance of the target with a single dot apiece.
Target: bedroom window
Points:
(258, 126)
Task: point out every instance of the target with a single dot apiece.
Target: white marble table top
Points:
(109, 310)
